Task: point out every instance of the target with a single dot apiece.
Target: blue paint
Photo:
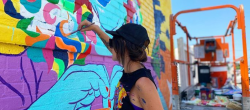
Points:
(11, 11)
(167, 33)
(61, 54)
(79, 86)
(58, 32)
(74, 28)
(104, 16)
(40, 44)
(32, 7)
(35, 54)
(80, 36)
(75, 55)
(159, 19)
(90, 17)
(162, 64)
(74, 43)
(162, 45)
(136, 18)
(103, 2)
(162, 100)
(156, 2)
(72, 1)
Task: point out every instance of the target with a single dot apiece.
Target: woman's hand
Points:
(86, 23)
(103, 36)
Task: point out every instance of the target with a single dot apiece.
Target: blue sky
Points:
(215, 22)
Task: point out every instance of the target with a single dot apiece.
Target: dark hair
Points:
(135, 52)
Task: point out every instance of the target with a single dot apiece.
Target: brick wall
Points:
(43, 68)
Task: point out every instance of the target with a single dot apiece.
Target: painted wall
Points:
(43, 68)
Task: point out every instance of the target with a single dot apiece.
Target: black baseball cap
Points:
(134, 33)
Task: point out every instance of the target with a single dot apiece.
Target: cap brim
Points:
(112, 32)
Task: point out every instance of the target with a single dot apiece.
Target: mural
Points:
(41, 67)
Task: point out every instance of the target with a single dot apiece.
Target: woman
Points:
(128, 48)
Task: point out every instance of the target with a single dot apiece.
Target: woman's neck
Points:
(132, 66)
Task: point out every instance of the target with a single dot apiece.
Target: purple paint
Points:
(21, 65)
(143, 101)
(13, 89)
(97, 103)
(35, 76)
(24, 81)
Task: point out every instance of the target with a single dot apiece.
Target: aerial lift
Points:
(240, 20)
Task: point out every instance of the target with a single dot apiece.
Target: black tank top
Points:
(128, 80)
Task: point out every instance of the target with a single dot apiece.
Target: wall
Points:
(43, 68)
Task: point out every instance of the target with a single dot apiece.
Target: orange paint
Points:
(38, 30)
(71, 58)
(31, 40)
(103, 109)
(164, 88)
(62, 45)
(61, 28)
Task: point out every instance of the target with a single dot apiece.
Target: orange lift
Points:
(240, 19)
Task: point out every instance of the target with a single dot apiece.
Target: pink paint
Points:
(47, 8)
(51, 43)
(84, 36)
(48, 54)
(91, 35)
(79, 15)
(31, 0)
(130, 10)
(4, 1)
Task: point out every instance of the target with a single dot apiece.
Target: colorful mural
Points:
(41, 67)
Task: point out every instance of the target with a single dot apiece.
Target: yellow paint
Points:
(122, 93)
(164, 38)
(84, 9)
(147, 12)
(55, 67)
(6, 19)
(16, 4)
(76, 39)
(83, 47)
(12, 35)
(165, 8)
(11, 49)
